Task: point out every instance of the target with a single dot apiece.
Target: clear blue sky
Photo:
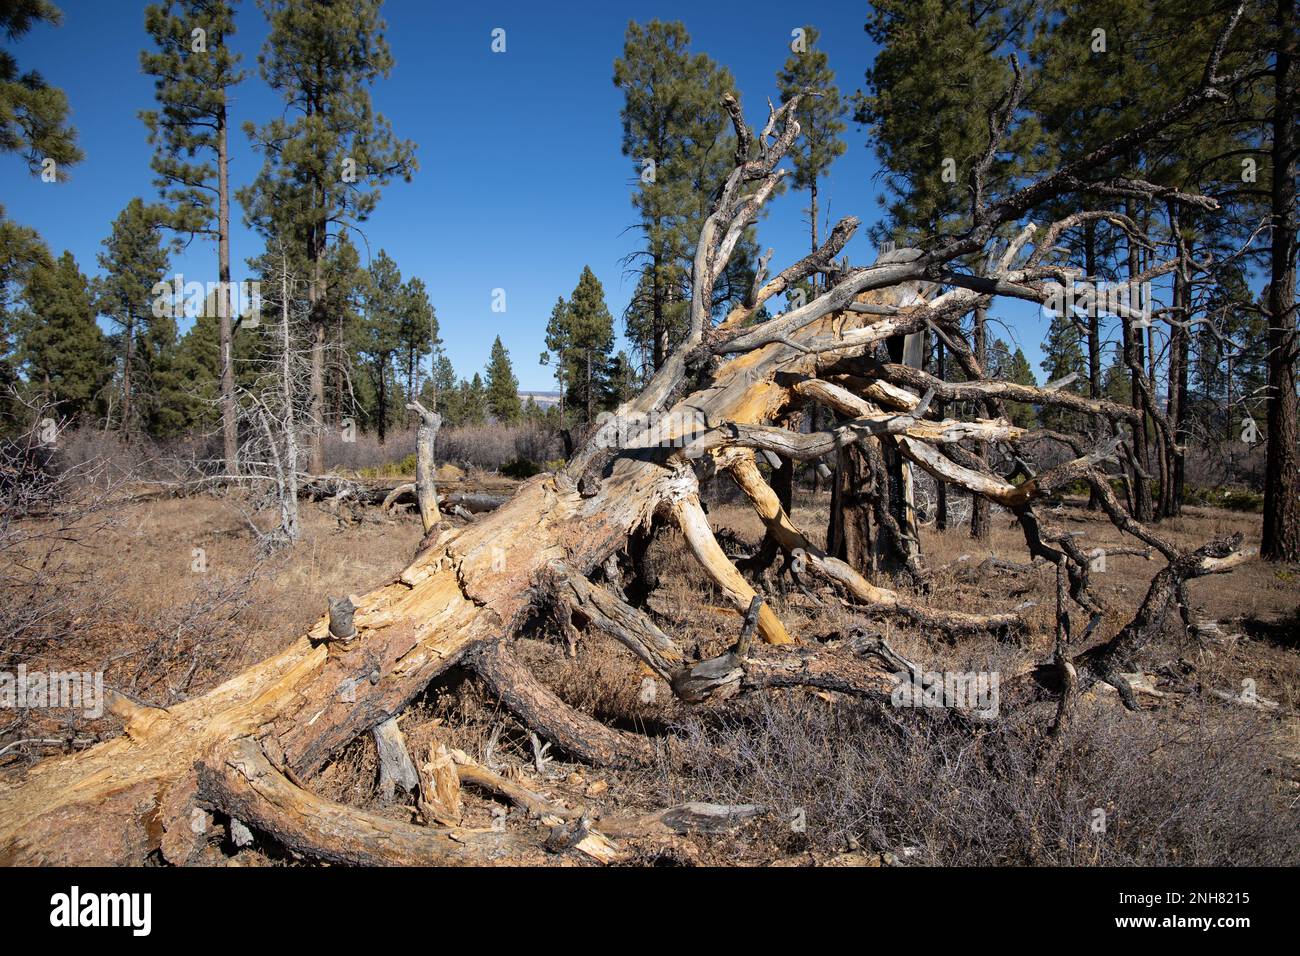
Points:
(521, 178)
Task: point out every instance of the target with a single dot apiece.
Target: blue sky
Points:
(521, 178)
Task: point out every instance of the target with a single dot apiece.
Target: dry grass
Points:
(1201, 782)
(162, 631)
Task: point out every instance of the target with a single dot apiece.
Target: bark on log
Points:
(526, 697)
(242, 781)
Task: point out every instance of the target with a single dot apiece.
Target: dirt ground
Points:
(178, 598)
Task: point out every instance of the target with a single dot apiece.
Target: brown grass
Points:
(1200, 782)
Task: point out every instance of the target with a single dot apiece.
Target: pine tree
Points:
(675, 132)
(383, 299)
(623, 381)
(590, 339)
(33, 114)
(1281, 537)
(192, 394)
(557, 346)
(328, 157)
(1062, 357)
(134, 261)
(1115, 380)
(21, 251)
(929, 92)
(441, 388)
(417, 331)
(1007, 366)
(820, 117)
(347, 386)
(502, 386)
(472, 402)
(63, 354)
(194, 69)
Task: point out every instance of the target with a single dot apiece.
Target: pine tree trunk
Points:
(1094, 330)
(226, 318)
(979, 509)
(382, 424)
(853, 530)
(289, 495)
(812, 210)
(1281, 538)
(128, 360)
(1133, 358)
(316, 405)
(941, 495)
(1179, 342)
(590, 415)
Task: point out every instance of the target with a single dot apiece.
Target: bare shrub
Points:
(483, 446)
(491, 446)
(48, 507)
(363, 449)
(190, 644)
(931, 791)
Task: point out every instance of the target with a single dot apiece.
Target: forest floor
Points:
(172, 597)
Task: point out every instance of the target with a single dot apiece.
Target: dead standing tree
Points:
(273, 408)
(245, 748)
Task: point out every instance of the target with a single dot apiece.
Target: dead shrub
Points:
(932, 791)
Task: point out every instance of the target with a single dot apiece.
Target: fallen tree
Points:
(245, 748)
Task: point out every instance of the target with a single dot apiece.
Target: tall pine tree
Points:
(675, 132)
(327, 158)
(590, 341)
(62, 352)
(502, 386)
(820, 115)
(134, 260)
(381, 333)
(193, 69)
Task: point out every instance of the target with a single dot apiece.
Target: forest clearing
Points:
(780, 556)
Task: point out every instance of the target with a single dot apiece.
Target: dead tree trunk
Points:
(425, 466)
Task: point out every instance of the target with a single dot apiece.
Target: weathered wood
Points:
(603, 610)
(699, 538)
(793, 541)
(532, 803)
(439, 802)
(425, 466)
(241, 780)
(395, 767)
(525, 696)
(896, 374)
(694, 817)
(1108, 661)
